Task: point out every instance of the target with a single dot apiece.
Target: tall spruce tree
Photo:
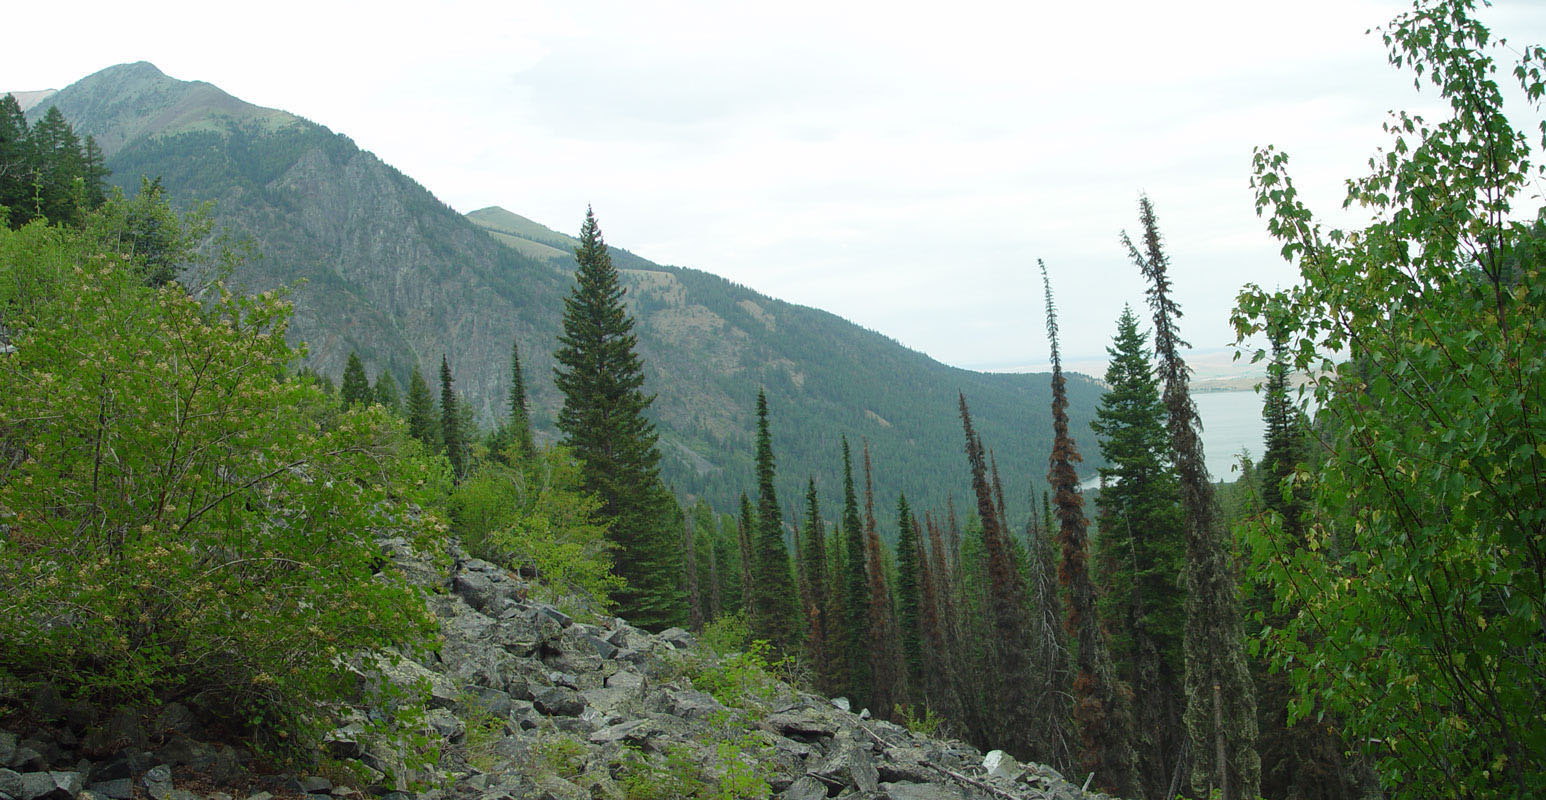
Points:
(888, 681)
(603, 419)
(746, 548)
(520, 418)
(777, 617)
(422, 424)
(354, 390)
(817, 596)
(385, 391)
(856, 606)
(1141, 552)
(451, 427)
(690, 575)
(1220, 698)
(1102, 703)
(1027, 716)
(910, 574)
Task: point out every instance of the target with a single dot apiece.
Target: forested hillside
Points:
(378, 266)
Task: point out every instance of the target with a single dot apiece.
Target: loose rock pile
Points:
(523, 701)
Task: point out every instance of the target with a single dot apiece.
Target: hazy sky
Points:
(898, 164)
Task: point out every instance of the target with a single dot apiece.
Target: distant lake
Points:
(1231, 421)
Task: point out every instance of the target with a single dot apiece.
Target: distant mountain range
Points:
(378, 265)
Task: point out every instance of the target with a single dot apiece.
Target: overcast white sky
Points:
(902, 165)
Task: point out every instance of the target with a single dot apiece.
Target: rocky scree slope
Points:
(523, 701)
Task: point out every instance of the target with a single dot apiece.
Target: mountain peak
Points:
(126, 101)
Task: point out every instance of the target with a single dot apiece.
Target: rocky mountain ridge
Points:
(374, 263)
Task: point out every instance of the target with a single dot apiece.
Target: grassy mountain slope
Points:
(377, 264)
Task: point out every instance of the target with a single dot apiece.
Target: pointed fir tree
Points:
(354, 390)
(520, 418)
(909, 602)
(451, 428)
(888, 680)
(604, 421)
(1027, 718)
(728, 564)
(16, 162)
(1101, 702)
(690, 575)
(745, 530)
(422, 422)
(818, 602)
(776, 617)
(856, 606)
(1220, 698)
(1142, 551)
(385, 392)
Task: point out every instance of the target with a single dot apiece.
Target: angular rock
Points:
(120, 731)
(1002, 765)
(176, 718)
(803, 724)
(524, 634)
(50, 786)
(806, 788)
(626, 679)
(689, 704)
(158, 782)
(7, 747)
(604, 648)
(444, 723)
(557, 701)
(921, 791)
(676, 637)
(11, 783)
(118, 789)
(316, 784)
(409, 675)
(27, 759)
(841, 704)
(563, 620)
(851, 766)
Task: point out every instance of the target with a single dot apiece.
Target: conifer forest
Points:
(193, 500)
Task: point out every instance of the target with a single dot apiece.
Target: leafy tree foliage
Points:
(603, 420)
(533, 515)
(203, 521)
(1416, 591)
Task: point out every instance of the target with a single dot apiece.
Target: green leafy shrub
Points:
(740, 680)
(534, 514)
(560, 754)
(726, 635)
(178, 520)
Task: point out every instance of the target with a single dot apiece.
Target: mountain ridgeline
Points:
(376, 264)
